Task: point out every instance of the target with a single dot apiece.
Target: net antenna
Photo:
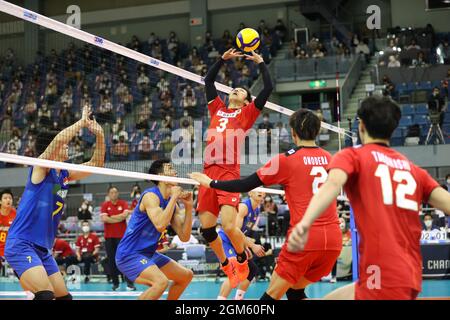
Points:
(52, 24)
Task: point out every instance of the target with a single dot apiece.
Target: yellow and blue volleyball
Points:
(248, 39)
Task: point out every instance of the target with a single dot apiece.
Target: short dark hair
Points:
(428, 214)
(43, 139)
(249, 94)
(157, 168)
(447, 176)
(85, 221)
(6, 191)
(305, 123)
(112, 187)
(380, 115)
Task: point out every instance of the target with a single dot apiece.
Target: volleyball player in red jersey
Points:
(386, 192)
(226, 133)
(7, 215)
(301, 171)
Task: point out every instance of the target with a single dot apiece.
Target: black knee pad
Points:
(66, 297)
(252, 270)
(266, 297)
(44, 295)
(298, 294)
(210, 234)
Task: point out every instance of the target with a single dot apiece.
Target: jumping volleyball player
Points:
(136, 254)
(301, 171)
(31, 236)
(248, 213)
(226, 134)
(386, 192)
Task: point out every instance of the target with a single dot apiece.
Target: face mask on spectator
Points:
(448, 181)
(138, 195)
(428, 223)
(84, 206)
(85, 229)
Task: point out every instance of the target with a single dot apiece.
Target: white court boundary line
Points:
(63, 28)
(29, 161)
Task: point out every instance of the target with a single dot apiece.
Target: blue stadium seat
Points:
(421, 109)
(405, 121)
(408, 110)
(421, 119)
(397, 137)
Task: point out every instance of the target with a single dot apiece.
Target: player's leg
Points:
(180, 276)
(228, 218)
(343, 293)
(54, 276)
(225, 290)
(155, 280)
(209, 221)
(297, 291)
(111, 254)
(277, 287)
(36, 281)
(243, 286)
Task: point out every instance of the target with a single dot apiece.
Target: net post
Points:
(355, 243)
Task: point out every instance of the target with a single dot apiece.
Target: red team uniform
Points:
(226, 134)
(386, 191)
(5, 223)
(301, 171)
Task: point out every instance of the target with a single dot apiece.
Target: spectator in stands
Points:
(114, 213)
(428, 224)
(393, 62)
(167, 108)
(145, 147)
(167, 124)
(280, 30)
(186, 117)
(121, 89)
(346, 241)
(7, 123)
(127, 100)
(420, 61)
(135, 195)
(63, 254)
(30, 110)
(389, 88)
(105, 112)
(266, 127)
(120, 149)
(413, 45)
(145, 108)
(142, 123)
(85, 211)
(271, 210)
(65, 117)
(444, 49)
(436, 104)
(363, 48)
(152, 38)
(88, 248)
(317, 53)
(51, 92)
(44, 116)
(30, 147)
(178, 244)
(300, 54)
(143, 84)
(16, 140)
(189, 100)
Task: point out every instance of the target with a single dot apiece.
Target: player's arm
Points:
(159, 217)
(319, 202)
(182, 223)
(264, 95)
(98, 158)
(440, 199)
(113, 219)
(239, 185)
(61, 139)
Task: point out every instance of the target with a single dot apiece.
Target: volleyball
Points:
(248, 39)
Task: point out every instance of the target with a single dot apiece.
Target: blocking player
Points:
(300, 171)
(31, 236)
(137, 257)
(386, 192)
(226, 134)
(248, 213)
(7, 215)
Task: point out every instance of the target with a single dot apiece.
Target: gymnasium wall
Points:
(412, 13)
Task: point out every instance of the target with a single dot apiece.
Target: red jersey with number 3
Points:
(386, 191)
(5, 223)
(302, 171)
(227, 132)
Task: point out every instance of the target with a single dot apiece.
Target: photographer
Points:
(436, 105)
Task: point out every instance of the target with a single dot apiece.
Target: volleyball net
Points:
(148, 97)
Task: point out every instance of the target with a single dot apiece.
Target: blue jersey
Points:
(251, 217)
(141, 234)
(40, 209)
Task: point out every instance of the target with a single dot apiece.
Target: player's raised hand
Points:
(175, 191)
(86, 114)
(298, 238)
(201, 178)
(254, 57)
(187, 198)
(94, 127)
(231, 53)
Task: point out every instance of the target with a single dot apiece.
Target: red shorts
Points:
(313, 265)
(212, 199)
(362, 292)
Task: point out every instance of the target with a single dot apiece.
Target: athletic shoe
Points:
(242, 269)
(115, 287)
(131, 288)
(230, 272)
(86, 280)
(333, 280)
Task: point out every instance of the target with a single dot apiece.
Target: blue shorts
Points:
(23, 255)
(132, 265)
(227, 245)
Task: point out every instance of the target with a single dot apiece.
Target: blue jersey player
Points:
(137, 257)
(31, 236)
(246, 219)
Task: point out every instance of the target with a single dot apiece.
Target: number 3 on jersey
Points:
(320, 175)
(223, 125)
(403, 189)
